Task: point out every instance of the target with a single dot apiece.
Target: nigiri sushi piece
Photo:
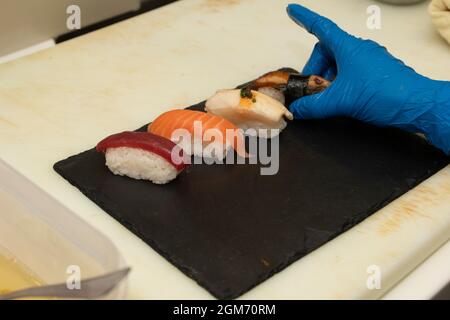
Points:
(249, 109)
(271, 79)
(143, 156)
(300, 86)
(289, 86)
(199, 133)
(274, 93)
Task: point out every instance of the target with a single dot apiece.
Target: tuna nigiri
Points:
(199, 133)
(143, 156)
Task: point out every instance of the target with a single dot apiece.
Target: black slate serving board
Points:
(229, 228)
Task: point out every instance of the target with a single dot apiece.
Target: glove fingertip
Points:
(299, 14)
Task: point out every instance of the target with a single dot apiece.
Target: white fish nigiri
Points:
(273, 93)
(250, 109)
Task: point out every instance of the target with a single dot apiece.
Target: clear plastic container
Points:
(48, 239)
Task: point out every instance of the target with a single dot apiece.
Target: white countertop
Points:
(63, 100)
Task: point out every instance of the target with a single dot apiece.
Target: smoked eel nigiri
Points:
(143, 156)
(288, 86)
(199, 133)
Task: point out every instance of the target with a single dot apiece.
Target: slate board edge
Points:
(357, 219)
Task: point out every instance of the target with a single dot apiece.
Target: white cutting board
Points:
(61, 101)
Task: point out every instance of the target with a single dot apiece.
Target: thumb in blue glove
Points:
(370, 84)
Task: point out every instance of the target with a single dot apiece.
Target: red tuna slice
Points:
(147, 142)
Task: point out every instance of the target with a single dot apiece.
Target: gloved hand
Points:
(370, 84)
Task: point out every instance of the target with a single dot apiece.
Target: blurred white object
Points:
(440, 15)
(27, 51)
(25, 23)
(401, 2)
(426, 280)
(48, 239)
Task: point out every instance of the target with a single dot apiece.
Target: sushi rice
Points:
(140, 164)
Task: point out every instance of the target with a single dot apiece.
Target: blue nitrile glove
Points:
(371, 85)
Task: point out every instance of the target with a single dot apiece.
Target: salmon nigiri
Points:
(199, 133)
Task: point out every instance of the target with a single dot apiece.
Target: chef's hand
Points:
(370, 84)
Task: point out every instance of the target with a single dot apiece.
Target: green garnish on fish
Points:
(247, 93)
